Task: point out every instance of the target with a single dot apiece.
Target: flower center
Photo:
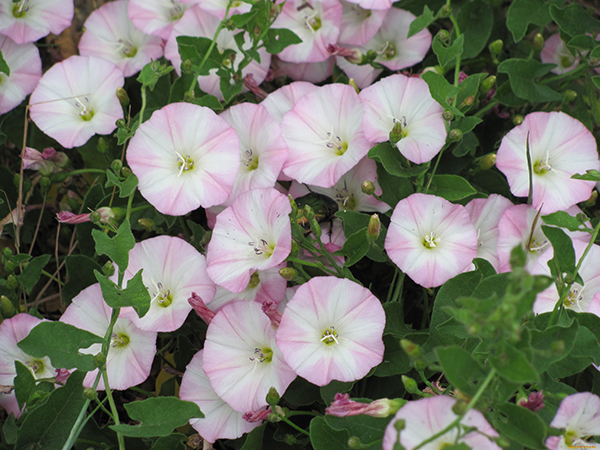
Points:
(346, 199)
(175, 9)
(431, 240)
(566, 61)
(36, 366)
(262, 247)
(570, 437)
(163, 296)
(330, 336)
(185, 164)
(388, 50)
(261, 355)
(126, 48)
(574, 297)
(119, 340)
(312, 21)
(538, 245)
(335, 143)
(254, 280)
(20, 9)
(86, 112)
(249, 160)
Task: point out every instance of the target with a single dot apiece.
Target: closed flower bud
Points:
(45, 182)
(455, 135)
(374, 227)
(468, 101)
(100, 360)
(147, 224)
(445, 11)
(400, 424)
(116, 166)
(108, 269)
(103, 145)
(186, 65)
(496, 47)
(121, 123)
(9, 266)
(488, 161)
(570, 95)
(354, 443)
(443, 35)
(488, 83)
(460, 407)
(7, 252)
(518, 119)
(367, 187)
(448, 115)
(126, 171)
(538, 42)
(189, 96)
(123, 97)
(411, 349)
(396, 134)
(12, 282)
(410, 385)
(288, 273)
(7, 307)
(273, 397)
(89, 393)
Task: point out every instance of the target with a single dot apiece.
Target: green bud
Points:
(6, 306)
(7, 252)
(410, 385)
(420, 365)
(488, 161)
(400, 424)
(116, 166)
(45, 183)
(488, 83)
(518, 119)
(189, 96)
(230, 25)
(147, 224)
(496, 47)
(123, 97)
(570, 95)
(503, 442)
(186, 65)
(443, 35)
(455, 135)
(459, 407)
(295, 249)
(591, 201)
(100, 360)
(89, 393)
(309, 213)
(445, 11)
(12, 282)
(9, 266)
(274, 418)
(121, 123)
(315, 228)
(448, 115)
(108, 269)
(102, 145)
(374, 228)
(290, 439)
(126, 171)
(396, 134)
(371, 55)
(288, 273)
(59, 177)
(538, 42)
(95, 216)
(354, 443)
(273, 397)
(468, 101)
(367, 187)
(413, 350)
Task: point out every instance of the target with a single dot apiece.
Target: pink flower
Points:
(156, 17)
(29, 20)
(359, 23)
(312, 72)
(428, 416)
(404, 104)
(76, 99)
(342, 406)
(283, 99)
(220, 420)
(110, 34)
(332, 329)
(324, 135)
(560, 146)
(533, 402)
(131, 351)
(12, 331)
(363, 76)
(218, 7)
(172, 271)
(25, 67)
(579, 415)
(241, 359)
(47, 162)
(555, 51)
(317, 23)
(431, 239)
(104, 214)
(185, 156)
(373, 4)
(253, 233)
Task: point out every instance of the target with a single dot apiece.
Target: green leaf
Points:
(393, 161)
(447, 53)
(61, 343)
(159, 416)
(395, 360)
(523, 12)
(328, 391)
(564, 220)
(551, 344)
(24, 383)
(394, 188)
(596, 81)
(135, 294)
(513, 365)
(354, 222)
(442, 91)
(368, 429)
(152, 72)
(466, 124)
(583, 42)
(323, 437)
(194, 49)
(242, 19)
(522, 426)
(461, 369)
(564, 254)
(228, 88)
(421, 22)
(80, 274)
(574, 20)
(32, 273)
(279, 38)
(48, 426)
(210, 101)
(254, 440)
(521, 74)
(475, 20)
(355, 248)
(586, 350)
(116, 248)
(10, 429)
(468, 144)
(174, 441)
(589, 175)
(4, 66)
(469, 87)
(451, 187)
(126, 187)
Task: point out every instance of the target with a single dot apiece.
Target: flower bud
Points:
(290, 439)
(371, 55)
(352, 83)
(374, 228)
(468, 101)
(488, 161)
(399, 424)
(459, 407)
(126, 171)
(186, 65)
(12, 282)
(413, 350)
(288, 273)
(308, 212)
(108, 269)
(121, 123)
(7, 307)
(45, 182)
(7, 252)
(315, 228)
(445, 11)
(367, 187)
(102, 145)
(397, 133)
(123, 97)
(354, 443)
(116, 166)
(518, 119)
(496, 47)
(410, 385)
(448, 115)
(455, 135)
(538, 42)
(443, 35)
(9, 266)
(488, 84)
(89, 393)
(570, 95)
(189, 96)
(273, 397)
(420, 365)
(147, 224)
(100, 360)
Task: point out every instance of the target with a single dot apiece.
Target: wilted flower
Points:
(342, 406)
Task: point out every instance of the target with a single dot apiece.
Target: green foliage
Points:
(522, 74)
(448, 53)
(421, 22)
(4, 66)
(135, 294)
(116, 248)
(279, 38)
(323, 437)
(451, 187)
(32, 273)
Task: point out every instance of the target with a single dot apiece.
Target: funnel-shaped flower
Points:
(431, 239)
(185, 156)
(29, 20)
(560, 146)
(253, 233)
(157, 17)
(579, 415)
(25, 72)
(555, 51)
(359, 25)
(76, 99)
(332, 329)
(279, 102)
(241, 358)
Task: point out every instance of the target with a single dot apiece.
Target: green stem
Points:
(391, 289)
(113, 408)
(52, 277)
(293, 425)
(568, 75)
(140, 208)
(80, 171)
(214, 40)
(486, 108)
(429, 383)
(437, 162)
(317, 265)
(129, 203)
(143, 107)
(142, 391)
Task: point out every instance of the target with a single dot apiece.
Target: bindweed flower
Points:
(404, 105)
(342, 406)
(332, 329)
(25, 67)
(534, 401)
(560, 146)
(579, 416)
(373, 4)
(185, 156)
(253, 233)
(157, 17)
(220, 421)
(29, 20)
(426, 417)
(110, 34)
(76, 99)
(104, 215)
(556, 52)
(46, 162)
(241, 358)
(359, 23)
(279, 102)
(12, 331)
(431, 239)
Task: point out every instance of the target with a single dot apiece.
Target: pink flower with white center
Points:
(29, 20)
(580, 297)
(254, 233)
(197, 23)
(324, 135)
(76, 99)
(431, 239)
(317, 23)
(262, 147)
(555, 51)
(283, 99)
(264, 286)
(312, 72)
(404, 104)
(332, 329)
(560, 146)
(359, 25)
(220, 420)
(12, 331)
(373, 4)
(185, 156)
(241, 358)
(110, 34)
(485, 214)
(25, 67)
(579, 415)
(157, 17)
(172, 271)
(426, 417)
(131, 350)
(218, 7)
